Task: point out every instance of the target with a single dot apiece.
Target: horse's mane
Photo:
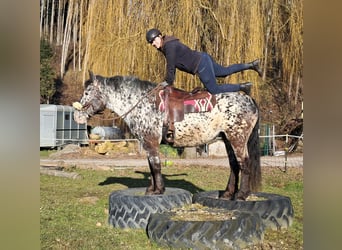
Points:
(130, 82)
(136, 83)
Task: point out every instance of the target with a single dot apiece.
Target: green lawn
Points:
(74, 213)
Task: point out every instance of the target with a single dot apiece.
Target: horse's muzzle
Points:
(80, 117)
(77, 106)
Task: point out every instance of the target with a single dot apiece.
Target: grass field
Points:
(74, 213)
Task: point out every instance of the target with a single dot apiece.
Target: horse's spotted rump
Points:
(235, 115)
(200, 128)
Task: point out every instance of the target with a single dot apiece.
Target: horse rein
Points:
(148, 94)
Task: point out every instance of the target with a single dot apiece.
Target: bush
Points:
(47, 74)
(168, 151)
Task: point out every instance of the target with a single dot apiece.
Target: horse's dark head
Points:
(92, 100)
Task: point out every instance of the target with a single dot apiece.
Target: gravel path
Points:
(73, 155)
(295, 161)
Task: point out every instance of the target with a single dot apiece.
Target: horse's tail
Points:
(254, 159)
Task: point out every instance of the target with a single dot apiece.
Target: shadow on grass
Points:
(144, 182)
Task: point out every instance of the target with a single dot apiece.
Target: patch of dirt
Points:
(76, 152)
(253, 197)
(89, 200)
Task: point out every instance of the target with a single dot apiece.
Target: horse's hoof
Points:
(241, 196)
(153, 192)
(149, 191)
(157, 192)
(240, 199)
(226, 196)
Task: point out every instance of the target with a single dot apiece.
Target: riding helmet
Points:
(151, 34)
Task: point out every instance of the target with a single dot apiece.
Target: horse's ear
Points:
(91, 75)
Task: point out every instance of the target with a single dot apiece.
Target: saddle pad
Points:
(204, 104)
(199, 105)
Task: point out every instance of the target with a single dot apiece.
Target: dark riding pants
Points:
(208, 70)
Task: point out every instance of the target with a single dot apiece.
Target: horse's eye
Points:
(86, 93)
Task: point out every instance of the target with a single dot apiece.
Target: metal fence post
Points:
(273, 139)
(286, 150)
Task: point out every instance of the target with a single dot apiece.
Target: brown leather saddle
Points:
(176, 102)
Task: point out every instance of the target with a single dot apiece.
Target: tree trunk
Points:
(52, 20)
(41, 18)
(66, 40)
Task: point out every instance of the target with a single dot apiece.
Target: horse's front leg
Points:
(156, 183)
(244, 190)
(150, 188)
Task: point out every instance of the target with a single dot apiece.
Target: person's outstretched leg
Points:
(221, 71)
(207, 77)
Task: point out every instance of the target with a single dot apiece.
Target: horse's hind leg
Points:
(233, 182)
(238, 158)
(244, 190)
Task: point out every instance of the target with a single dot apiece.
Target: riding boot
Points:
(256, 67)
(246, 87)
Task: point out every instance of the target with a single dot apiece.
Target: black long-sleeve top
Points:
(178, 56)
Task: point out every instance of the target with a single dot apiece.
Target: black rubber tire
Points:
(275, 210)
(131, 208)
(245, 230)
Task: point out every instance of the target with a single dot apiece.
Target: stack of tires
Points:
(130, 208)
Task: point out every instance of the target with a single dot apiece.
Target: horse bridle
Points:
(147, 95)
(88, 104)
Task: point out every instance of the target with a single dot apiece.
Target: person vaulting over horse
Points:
(179, 56)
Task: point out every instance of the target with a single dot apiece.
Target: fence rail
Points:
(280, 151)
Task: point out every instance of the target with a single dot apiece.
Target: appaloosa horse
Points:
(235, 116)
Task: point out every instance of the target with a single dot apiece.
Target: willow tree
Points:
(108, 37)
(283, 46)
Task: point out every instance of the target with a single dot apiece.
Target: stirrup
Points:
(167, 135)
